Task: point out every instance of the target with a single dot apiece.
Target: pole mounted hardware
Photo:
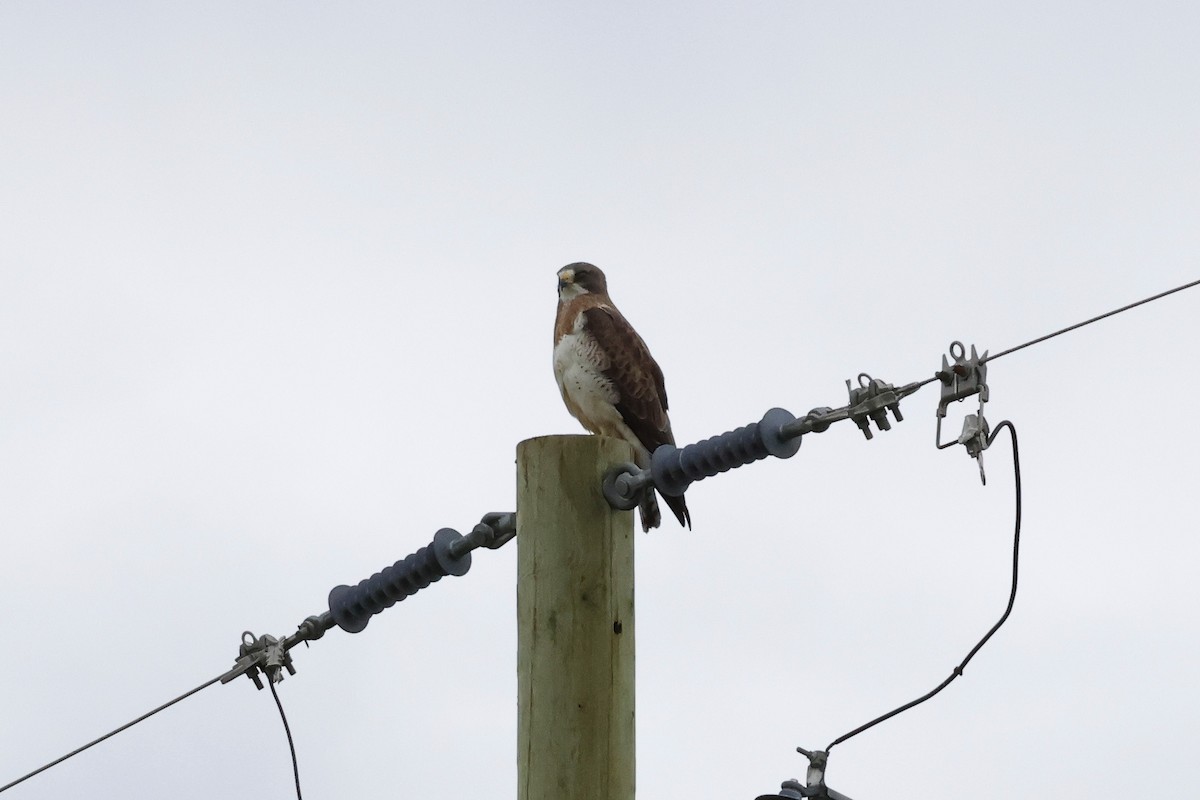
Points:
(448, 554)
(351, 607)
(264, 654)
(673, 469)
(870, 402)
(965, 377)
(816, 788)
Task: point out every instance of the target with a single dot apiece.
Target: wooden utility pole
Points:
(575, 645)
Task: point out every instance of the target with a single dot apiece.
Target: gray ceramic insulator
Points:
(674, 469)
(353, 606)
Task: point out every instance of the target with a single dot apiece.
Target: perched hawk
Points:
(608, 378)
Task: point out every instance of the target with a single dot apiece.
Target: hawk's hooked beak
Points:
(565, 278)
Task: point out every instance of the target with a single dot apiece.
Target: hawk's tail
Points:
(648, 511)
(652, 518)
(679, 508)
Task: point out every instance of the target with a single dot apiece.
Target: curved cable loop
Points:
(1012, 597)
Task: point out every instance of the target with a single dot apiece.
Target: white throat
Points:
(570, 291)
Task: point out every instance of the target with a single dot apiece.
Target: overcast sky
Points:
(276, 297)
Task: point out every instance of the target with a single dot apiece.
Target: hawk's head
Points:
(580, 278)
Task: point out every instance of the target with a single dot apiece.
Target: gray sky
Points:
(276, 296)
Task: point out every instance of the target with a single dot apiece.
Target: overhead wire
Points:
(111, 733)
(993, 356)
(1069, 328)
(286, 728)
(1012, 598)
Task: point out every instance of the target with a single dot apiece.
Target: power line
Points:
(271, 683)
(1061, 331)
(1012, 597)
(114, 732)
(1090, 321)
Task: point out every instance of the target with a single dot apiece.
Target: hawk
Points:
(608, 379)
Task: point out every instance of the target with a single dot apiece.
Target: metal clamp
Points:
(503, 526)
(261, 654)
(493, 531)
(624, 484)
(870, 402)
(816, 788)
(965, 377)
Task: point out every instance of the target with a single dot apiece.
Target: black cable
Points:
(1012, 597)
(288, 730)
(79, 750)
